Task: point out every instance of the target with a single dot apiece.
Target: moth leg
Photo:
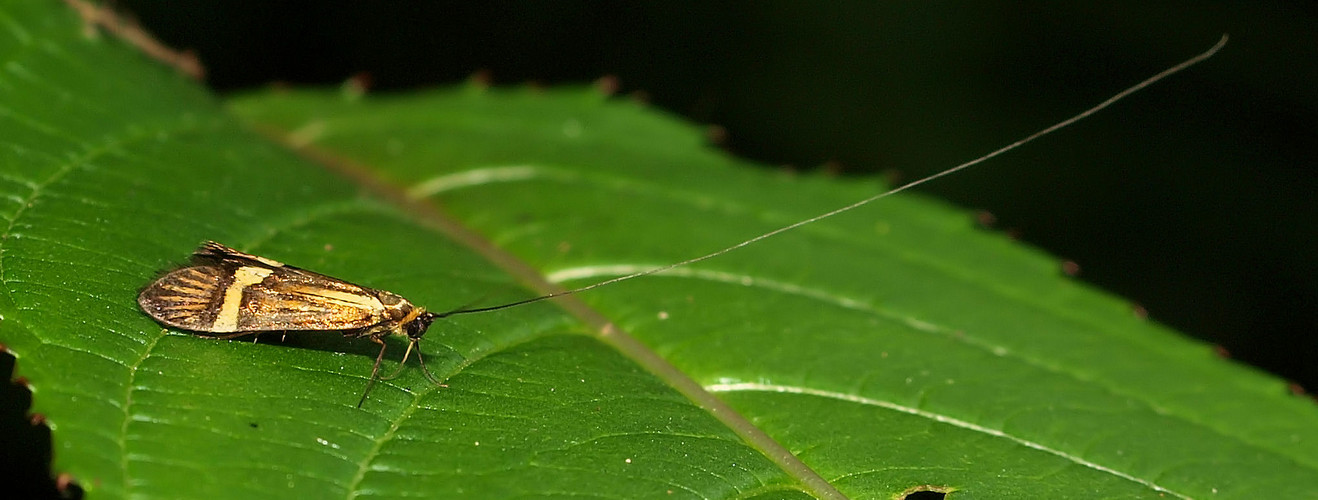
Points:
(256, 336)
(403, 363)
(420, 360)
(228, 336)
(375, 371)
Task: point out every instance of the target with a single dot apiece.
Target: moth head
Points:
(407, 318)
(416, 328)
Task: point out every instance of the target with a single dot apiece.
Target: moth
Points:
(224, 293)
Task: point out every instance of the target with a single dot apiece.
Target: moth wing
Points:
(293, 299)
(213, 251)
(187, 298)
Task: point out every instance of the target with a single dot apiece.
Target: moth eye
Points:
(416, 329)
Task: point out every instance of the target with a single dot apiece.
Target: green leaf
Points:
(881, 351)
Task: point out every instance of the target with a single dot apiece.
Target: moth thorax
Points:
(396, 308)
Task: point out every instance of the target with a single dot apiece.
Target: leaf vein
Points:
(940, 418)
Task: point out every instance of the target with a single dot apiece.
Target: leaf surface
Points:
(890, 348)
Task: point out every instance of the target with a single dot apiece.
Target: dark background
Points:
(1193, 199)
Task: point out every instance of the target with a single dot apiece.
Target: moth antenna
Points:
(375, 372)
(1027, 139)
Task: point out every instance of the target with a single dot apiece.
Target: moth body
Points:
(224, 293)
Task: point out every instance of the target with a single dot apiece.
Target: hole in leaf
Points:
(26, 442)
(926, 492)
